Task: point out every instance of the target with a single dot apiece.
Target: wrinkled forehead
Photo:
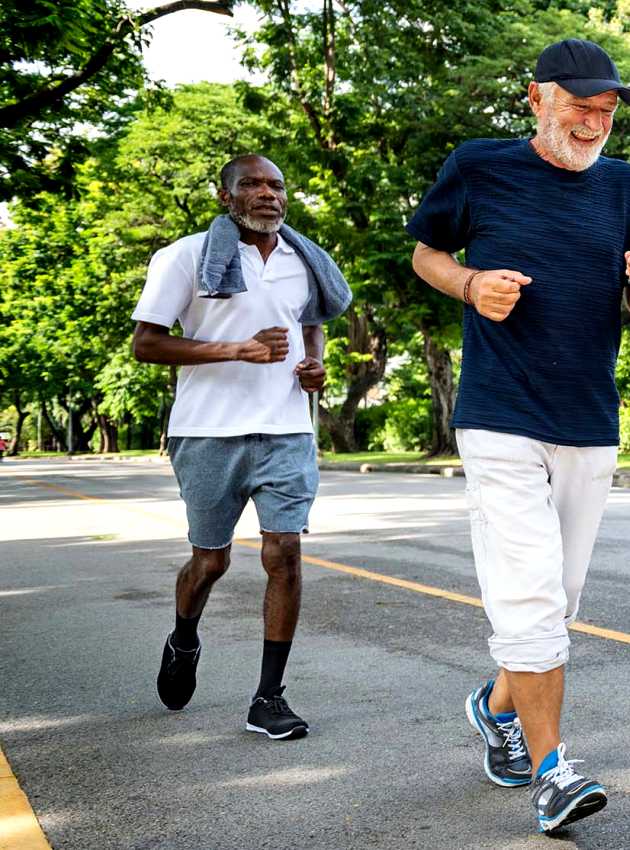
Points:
(257, 168)
(605, 100)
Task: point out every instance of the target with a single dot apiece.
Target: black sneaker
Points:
(176, 680)
(561, 796)
(507, 762)
(273, 717)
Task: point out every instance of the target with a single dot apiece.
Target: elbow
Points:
(421, 260)
(138, 349)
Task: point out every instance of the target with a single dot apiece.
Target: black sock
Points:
(274, 660)
(185, 634)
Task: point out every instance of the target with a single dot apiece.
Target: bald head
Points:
(230, 171)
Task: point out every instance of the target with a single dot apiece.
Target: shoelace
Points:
(513, 739)
(563, 773)
(279, 705)
(180, 658)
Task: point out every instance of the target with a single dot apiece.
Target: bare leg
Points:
(538, 701)
(500, 699)
(177, 680)
(281, 561)
(197, 577)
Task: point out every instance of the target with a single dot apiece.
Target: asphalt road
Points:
(380, 671)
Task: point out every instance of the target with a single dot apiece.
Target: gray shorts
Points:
(218, 475)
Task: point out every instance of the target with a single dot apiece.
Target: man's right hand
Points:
(270, 345)
(494, 293)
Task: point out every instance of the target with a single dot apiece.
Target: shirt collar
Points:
(282, 246)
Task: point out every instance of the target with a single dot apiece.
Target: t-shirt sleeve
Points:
(442, 221)
(168, 289)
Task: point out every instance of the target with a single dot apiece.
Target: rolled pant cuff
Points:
(530, 656)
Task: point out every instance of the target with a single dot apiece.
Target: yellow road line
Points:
(358, 572)
(19, 829)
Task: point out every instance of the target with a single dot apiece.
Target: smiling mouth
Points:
(585, 140)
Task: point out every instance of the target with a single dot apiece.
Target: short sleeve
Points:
(442, 221)
(168, 288)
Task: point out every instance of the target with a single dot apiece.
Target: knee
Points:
(281, 556)
(210, 564)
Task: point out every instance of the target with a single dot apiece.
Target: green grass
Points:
(388, 457)
(124, 453)
(415, 457)
(352, 457)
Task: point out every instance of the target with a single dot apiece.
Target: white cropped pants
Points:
(535, 509)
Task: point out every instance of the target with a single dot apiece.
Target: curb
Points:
(446, 471)
(621, 478)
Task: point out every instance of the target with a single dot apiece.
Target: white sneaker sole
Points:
(598, 801)
(296, 732)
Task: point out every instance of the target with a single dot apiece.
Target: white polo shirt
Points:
(233, 398)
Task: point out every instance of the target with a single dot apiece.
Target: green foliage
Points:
(128, 388)
(408, 406)
(43, 43)
(72, 269)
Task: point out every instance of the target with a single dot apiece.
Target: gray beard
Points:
(255, 224)
(555, 139)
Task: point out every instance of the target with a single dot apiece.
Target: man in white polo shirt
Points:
(240, 426)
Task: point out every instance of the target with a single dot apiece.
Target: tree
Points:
(65, 67)
(388, 89)
(72, 269)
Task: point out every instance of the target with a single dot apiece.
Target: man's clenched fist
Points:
(494, 293)
(270, 345)
(311, 373)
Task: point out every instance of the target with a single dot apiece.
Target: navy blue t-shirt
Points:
(548, 370)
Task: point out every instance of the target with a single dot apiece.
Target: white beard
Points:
(554, 138)
(256, 224)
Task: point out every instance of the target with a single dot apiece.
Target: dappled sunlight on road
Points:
(38, 722)
(291, 776)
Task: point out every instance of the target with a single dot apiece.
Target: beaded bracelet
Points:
(467, 298)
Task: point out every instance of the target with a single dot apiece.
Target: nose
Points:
(593, 120)
(266, 192)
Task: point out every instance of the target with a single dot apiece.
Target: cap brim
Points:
(589, 88)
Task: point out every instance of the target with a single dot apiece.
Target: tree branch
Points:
(307, 106)
(32, 105)
(330, 71)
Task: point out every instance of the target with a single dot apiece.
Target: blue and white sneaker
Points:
(507, 762)
(561, 796)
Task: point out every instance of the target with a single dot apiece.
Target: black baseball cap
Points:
(581, 67)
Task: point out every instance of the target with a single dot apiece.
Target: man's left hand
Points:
(627, 256)
(311, 373)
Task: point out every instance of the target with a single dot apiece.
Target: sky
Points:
(188, 47)
(191, 45)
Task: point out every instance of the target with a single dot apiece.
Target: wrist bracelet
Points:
(467, 298)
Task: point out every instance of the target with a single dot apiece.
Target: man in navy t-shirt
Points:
(544, 223)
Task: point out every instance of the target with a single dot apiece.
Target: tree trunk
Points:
(22, 414)
(108, 434)
(365, 337)
(81, 436)
(57, 431)
(443, 393)
(129, 435)
(340, 428)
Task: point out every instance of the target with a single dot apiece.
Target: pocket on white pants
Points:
(603, 462)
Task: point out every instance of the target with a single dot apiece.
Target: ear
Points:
(534, 97)
(224, 196)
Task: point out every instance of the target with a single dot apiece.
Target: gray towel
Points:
(221, 276)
